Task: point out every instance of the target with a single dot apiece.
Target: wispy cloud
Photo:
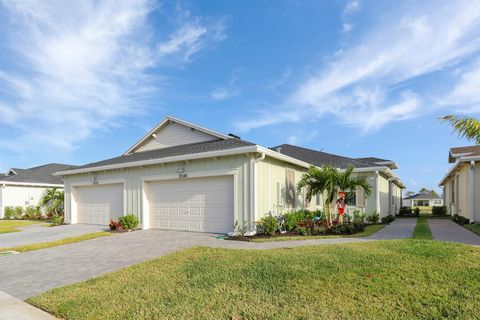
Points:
(368, 83)
(230, 90)
(83, 66)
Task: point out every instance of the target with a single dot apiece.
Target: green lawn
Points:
(7, 226)
(43, 245)
(369, 230)
(473, 227)
(401, 279)
(422, 229)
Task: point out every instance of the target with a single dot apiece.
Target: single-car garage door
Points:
(97, 204)
(199, 204)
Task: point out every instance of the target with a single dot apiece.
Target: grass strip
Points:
(43, 245)
(422, 229)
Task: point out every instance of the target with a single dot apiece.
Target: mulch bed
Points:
(276, 235)
(123, 230)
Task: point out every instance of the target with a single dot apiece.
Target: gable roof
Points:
(320, 158)
(166, 121)
(38, 175)
(459, 152)
(187, 149)
(379, 162)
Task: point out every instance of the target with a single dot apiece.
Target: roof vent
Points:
(234, 136)
(279, 149)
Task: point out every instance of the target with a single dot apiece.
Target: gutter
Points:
(31, 184)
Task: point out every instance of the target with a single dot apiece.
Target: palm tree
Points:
(53, 200)
(465, 127)
(329, 181)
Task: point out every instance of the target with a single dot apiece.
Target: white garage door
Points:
(97, 204)
(200, 204)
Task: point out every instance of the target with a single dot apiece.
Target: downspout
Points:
(253, 189)
(255, 183)
(377, 193)
(2, 186)
(472, 191)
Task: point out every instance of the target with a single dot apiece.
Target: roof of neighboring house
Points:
(41, 174)
(320, 158)
(185, 149)
(422, 196)
(459, 152)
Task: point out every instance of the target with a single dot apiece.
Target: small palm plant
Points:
(329, 181)
(465, 127)
(53, 201)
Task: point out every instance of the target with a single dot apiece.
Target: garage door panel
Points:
(97, 204)
(203, 204)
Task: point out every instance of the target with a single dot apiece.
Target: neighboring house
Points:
(181, 176)
(423, 200)
(461, 185)
(25, 187)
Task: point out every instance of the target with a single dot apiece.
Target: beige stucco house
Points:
(182, 176)
(461, 185)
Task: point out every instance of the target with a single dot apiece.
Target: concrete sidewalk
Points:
(13, 309)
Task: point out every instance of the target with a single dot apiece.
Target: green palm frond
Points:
(465, 127)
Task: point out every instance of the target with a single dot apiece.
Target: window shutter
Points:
(360, 198)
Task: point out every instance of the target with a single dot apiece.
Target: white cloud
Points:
(84, 66)
(367, 84)
(219, 94)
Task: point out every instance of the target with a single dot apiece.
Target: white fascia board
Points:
(182, 122)
(283, 157)
(31, 184)
(450, 171)
(456, 165)
(193, 156)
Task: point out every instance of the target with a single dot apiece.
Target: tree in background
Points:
(428, 191)
(465, 127)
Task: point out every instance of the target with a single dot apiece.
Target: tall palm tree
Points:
(465, 127)
(53, 200)
(329, 181)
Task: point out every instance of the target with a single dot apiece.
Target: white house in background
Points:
(181, 176)
(423, 200)
(25, 187)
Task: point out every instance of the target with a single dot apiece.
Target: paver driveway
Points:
(40, 233)
(27, 274)
(447, 230)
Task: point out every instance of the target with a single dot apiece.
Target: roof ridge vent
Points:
(234, 136)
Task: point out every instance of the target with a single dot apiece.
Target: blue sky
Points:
(82, 81)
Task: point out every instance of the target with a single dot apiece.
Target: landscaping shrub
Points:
(460, 220)
(291, 219)
(32, 213)
(57, 220)
(129, 221)
(267, 225)
(358, 217)
(373, 218)
(18, 212)
(416, 212)
(9, 213)
(115, 225)
(439, 211)
(240, 229)
(405, 212)
(388, 219)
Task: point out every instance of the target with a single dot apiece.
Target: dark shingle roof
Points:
(422, 196)
(172, 151)
(319, 158)
(40, 174)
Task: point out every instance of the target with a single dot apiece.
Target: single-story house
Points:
(182, 176)
(25, 187)
(423, 200)
(461, 184)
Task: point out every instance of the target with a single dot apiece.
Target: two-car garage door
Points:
(200, 204)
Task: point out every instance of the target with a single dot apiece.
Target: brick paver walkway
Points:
(399, 229)
(447, 230)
